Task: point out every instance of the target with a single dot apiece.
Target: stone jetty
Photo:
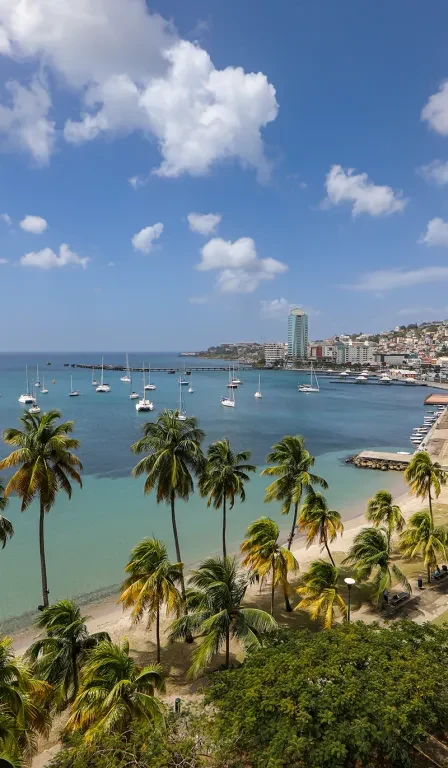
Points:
(380, 460)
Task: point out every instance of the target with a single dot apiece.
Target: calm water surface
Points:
(89, 538)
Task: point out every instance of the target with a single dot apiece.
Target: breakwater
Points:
(383, 460)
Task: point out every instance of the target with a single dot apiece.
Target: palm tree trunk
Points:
(288, 605)
(176, 544)
(328, 549)
(43, 564)
(75, 674)
(428, 573)
(227, 647)
(224, 525)
(272, 589)
(430, 506)
(158, 631)
(294, 523)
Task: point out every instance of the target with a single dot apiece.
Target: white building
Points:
(275, 351)
(361, 352)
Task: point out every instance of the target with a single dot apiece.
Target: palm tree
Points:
(23, 705)
(215, 613)
(422, 538)
(382, 510)
(319, 592)
(224, 476)
(265, 557)
(114, 692)
(424, 476)
(152, 581)
(58, 656)
(174, 456)
(319, 522)
(43, 452)
(6, 527)
(292, 465)
(370, 555)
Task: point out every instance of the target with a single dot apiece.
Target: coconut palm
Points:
(223, 480)
(370, 555)
(6, 527)
(23, 705)
(319, 593)
(43, 451)
(422, 538)
(267, 559)
(152, 582)
(424, 476)
(292, 466)
(174, 457)
(58, 655)
(114, 692)
(382, 510)
(319, 522)
(215, 613)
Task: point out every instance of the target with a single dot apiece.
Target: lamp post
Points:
(349, 583)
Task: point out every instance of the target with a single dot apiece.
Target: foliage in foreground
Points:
(355, 695)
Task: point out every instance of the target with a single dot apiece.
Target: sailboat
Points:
(150, 387)
(309, 387)
(35, 408)
(43, 390)
(132, 395)
(258, 392)
(144, 404)
(27, 398)
(73, 392)
(181, 413)
(229, 401)
(37, 382)
(94, 381)
(190, 388)
(236, 379)
(126, 378)
(102, 387)
(231, 383)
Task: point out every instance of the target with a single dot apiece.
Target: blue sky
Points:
(316, 133)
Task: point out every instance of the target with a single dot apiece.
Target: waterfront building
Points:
(298, 334)
(275, 352)
(361, 352)
(322, 350)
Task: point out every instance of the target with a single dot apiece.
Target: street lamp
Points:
(349, 581)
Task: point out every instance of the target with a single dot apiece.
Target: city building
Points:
(322, 350)
(298, 334)
(275, 352)
(361, 352)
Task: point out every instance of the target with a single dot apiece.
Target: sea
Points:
(88, 538)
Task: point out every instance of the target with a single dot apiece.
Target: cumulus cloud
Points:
(435, 112)
(436, 172)
(24, 124)
(240, 269)
(204, 223)
(436, 233)
(388, 279)
(365, 196)
(136, 74)
(34, 224)
(6, 218)
(276, 309)
(48, 259)
(3, 261)
(144, 240)
(137, 181)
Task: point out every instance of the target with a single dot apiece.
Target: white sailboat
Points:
(94, 381)
(236, 378)
(37, 382)
(181, 413)
(43, 390)
(35, 408)
(132, 395)
(229, 402)
(144, 404)
(27, 398)
(126, 378)
(102, 387)
(232, 384)
(190, 388)
(73, 392)
(258, 392)
(309, 387)
(150, 387)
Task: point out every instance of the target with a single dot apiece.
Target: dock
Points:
(437, 399)
(136, 369)
(384, 460)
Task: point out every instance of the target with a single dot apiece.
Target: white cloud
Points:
(347, 187)
(436, 172)
(6, 218)
(435, 112)
(3, 261)
(136, 74)
(388, 279)
(436, 233)
(276, 309)
(144, 240)
(204, 223)
(241, 271)
(111, 264)
(34, 224)
(198, 299)
(48, 259)
(137, 181)
(25, 125)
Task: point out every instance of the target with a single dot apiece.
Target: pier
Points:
(381, 460)
(122, 368)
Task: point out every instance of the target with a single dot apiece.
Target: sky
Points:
(175, 175)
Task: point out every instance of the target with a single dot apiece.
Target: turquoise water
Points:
(89, 538)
